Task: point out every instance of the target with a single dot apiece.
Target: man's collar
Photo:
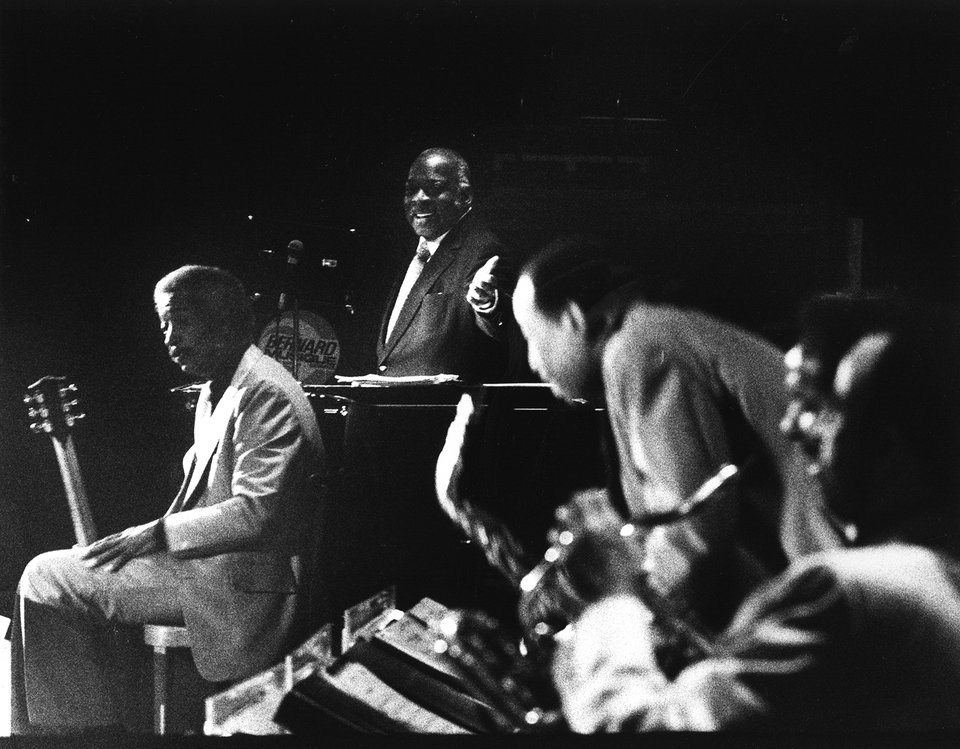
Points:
(433, 244)
(232, 377)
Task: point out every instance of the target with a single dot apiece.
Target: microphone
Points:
(294, 253)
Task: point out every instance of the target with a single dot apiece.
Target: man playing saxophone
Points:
(684, 394)
(857, 639)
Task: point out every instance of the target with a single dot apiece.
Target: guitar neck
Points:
(83, 525)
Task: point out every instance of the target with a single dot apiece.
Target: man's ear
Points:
(574, 316)
(466, 196)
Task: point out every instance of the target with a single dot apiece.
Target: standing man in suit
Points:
(223, 560)
(447, 312)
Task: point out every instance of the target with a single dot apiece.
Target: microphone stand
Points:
(294, 306)
(296, 337)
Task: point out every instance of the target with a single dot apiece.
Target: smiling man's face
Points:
(433, 199)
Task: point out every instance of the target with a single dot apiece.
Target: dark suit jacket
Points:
(438, 331)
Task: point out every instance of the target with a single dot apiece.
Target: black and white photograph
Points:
(495, 367)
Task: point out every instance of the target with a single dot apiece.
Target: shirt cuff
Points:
(490, 308)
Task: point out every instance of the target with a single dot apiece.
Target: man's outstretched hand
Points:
(482, 292)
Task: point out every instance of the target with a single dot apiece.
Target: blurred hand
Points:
(115, 550)
(607, 555)
(450, 460)
(587, 510)
(482, 292)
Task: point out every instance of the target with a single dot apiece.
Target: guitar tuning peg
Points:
(71, 388)
(71, 419)
(36, 428)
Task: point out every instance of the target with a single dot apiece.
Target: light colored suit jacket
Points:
(239, 518)
(686, 393)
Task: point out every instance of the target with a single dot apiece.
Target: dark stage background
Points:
(739, 149)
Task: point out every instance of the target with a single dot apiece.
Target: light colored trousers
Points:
(71, 642)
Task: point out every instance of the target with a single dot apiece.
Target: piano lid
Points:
(535, 396)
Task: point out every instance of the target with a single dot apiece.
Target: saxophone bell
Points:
(548, 594)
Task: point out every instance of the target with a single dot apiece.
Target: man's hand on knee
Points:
(115, 550)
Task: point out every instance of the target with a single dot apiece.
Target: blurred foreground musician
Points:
(829, 325)
(223, 560)
(685, 393)
(858, 639)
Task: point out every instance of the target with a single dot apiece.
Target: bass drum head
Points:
(318, 350)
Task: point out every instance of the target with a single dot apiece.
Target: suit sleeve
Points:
(780, 667)
(271, 460)
(670, 422)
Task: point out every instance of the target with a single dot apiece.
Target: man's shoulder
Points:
(270, 372)
(270, 378)
(894, 568)
(663, 335)
(474, 233)
(651, 335)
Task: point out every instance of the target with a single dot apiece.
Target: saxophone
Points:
(513, 676)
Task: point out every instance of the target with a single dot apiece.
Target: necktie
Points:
(413, 272)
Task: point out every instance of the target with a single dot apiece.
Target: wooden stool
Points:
(160, 637)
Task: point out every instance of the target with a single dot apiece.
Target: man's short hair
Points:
(462, 168)
(588, 273)
(829, 325)
(912, 389)
(213, 293)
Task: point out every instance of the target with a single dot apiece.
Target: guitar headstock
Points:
(52, 407)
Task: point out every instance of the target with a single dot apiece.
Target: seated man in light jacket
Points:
(223, 560)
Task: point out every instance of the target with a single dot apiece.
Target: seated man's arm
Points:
(272, 461)
(675, 439)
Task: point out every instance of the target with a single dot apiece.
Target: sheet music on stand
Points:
(249, 706)
(351, 693)
(376, 380)
(389, 679)
(412, 636)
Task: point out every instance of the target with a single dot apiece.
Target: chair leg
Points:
(161, 697)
